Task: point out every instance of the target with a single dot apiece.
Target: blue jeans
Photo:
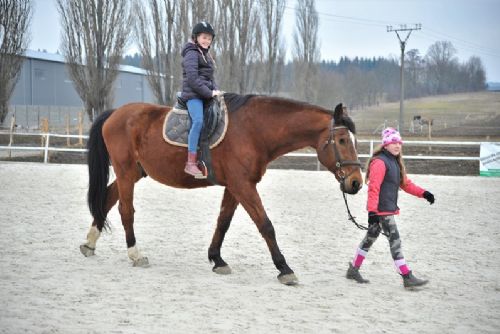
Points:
(195, 109)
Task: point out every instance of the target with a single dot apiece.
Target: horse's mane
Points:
(235, 101)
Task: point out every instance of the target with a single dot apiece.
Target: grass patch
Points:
(469, 114)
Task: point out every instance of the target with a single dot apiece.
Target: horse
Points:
(421, 121)
(261, 129)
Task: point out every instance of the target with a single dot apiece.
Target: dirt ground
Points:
(49, 287)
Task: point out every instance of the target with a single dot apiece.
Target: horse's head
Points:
(337, 152)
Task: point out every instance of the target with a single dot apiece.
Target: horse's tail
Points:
(98, 163)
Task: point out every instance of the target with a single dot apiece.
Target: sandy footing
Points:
(49, 287)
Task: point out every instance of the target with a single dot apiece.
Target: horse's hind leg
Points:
(228, 206)
(88, 248)
(126, 179)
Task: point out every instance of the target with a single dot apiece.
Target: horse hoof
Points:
(142, 262)
(225, 270)
(288, 279)
(86, 250)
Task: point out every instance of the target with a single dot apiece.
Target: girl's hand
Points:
(373, 218)
(429, 197)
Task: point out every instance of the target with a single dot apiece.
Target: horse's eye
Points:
(342, 141)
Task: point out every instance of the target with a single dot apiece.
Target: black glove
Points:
(373, 218)
(429, 197)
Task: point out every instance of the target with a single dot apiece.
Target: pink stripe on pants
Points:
(359, 257)
(401, 266)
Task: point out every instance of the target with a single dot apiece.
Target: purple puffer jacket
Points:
(197, 72)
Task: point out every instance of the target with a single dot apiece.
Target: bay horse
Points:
(260, 129)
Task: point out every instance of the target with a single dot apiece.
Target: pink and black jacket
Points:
(384, 184)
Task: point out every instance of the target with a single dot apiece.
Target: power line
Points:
(464, 44)
(472, 44)
(352, 19)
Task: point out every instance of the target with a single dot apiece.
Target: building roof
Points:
(58, 58)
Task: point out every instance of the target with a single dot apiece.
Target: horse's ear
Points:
(338, 113)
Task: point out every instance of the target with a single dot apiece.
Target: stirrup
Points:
(203, 169)
(200, 176)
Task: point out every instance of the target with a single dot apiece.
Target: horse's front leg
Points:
(248, 196)
(88, 248)
(228, 206)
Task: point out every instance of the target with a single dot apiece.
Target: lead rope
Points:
(351, 217)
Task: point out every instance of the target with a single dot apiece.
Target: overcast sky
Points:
(358, 28)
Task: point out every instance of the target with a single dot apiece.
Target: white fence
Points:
(46, 148)
(373, 142)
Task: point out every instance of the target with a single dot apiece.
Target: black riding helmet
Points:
(202, 27)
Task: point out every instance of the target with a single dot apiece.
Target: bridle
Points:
(339, 162)
(340, 172)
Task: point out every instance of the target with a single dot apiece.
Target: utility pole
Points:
(402, 43)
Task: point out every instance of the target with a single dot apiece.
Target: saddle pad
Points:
(177, 124)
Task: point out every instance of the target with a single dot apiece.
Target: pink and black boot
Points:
(192, 167)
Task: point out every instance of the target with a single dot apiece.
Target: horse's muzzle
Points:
(353, 187)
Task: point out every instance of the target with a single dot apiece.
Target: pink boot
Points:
(192, 167)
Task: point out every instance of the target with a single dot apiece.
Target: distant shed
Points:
(44, 81)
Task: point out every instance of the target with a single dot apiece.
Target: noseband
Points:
(339, 162)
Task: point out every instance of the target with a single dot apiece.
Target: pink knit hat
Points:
(391, 135)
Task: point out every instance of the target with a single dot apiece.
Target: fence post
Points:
(80, 128)
(46, 154)
(430, 134)
(44, 128)
(371, 147)
(68, 142)
(11, 133)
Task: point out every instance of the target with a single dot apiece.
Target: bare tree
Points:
(184, 21)
(247, 21)
(202, 10)
(476, 75)
(413, 73)
(155, 32)
(236, 23)
(15, 19)
(226, 44)
(441, 62)
(94, 35)
(306, 48)
(273, 50)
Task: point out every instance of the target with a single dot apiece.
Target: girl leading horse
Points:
(260, 130)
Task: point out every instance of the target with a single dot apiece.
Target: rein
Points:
(351, 217)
